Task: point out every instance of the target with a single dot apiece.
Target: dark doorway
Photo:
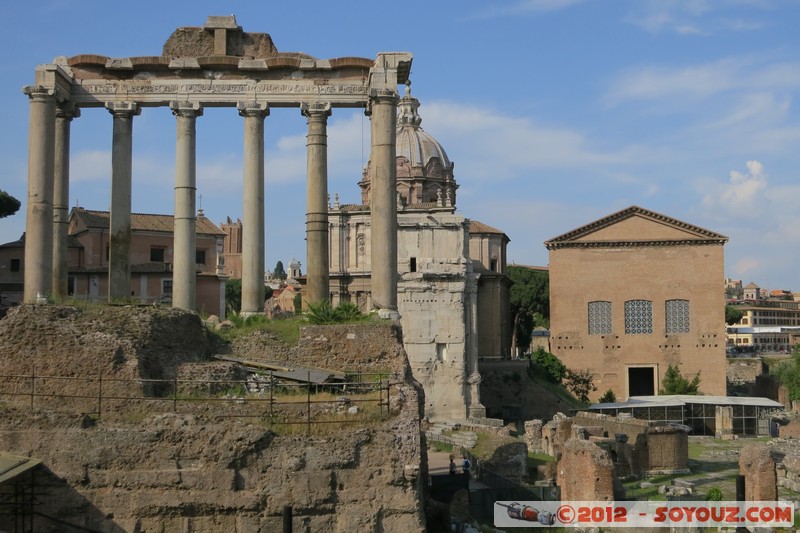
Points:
(641, 381)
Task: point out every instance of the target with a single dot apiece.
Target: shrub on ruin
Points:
(714, 494)
(324, 313)
(543, 363)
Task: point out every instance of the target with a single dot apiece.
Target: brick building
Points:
(151, 252)
(634, 292)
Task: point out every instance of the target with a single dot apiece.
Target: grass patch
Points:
(437, 446)
(539, 459)
(287, 330)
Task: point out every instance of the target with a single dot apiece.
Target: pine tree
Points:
(675, 383)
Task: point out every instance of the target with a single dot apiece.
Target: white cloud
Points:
(491, 145)
(742, 193)
(522, 7)
(90, 166)
(703, 81)
(693, 17)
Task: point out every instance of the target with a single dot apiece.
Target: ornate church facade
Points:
(452, 290)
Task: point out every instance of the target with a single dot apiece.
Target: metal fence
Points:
(359, 399)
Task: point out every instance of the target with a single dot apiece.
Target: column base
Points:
(389, 314)
(477, 411)
(245, 314)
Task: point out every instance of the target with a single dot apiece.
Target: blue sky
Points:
(555, 112)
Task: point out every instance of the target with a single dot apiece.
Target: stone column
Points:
(184, 278)
(64, 115)
(253, 208)
(476, 408)
(317, 202)
(382, 109)
(39, 219)
(119, 267)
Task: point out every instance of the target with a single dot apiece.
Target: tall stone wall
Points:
(150, 471)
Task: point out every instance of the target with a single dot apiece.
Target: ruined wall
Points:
(140, 471)
(585, 472)
(632, 427)
(758, 467)
(667, 450)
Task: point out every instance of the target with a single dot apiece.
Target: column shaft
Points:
(383, 202)
(184, 277)
(318, 270)
(64, 115)
(119, 267)
(39, 222)
(253, 208)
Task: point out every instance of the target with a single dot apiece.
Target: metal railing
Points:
(361, 399)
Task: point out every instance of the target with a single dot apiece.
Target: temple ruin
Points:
(216, 65)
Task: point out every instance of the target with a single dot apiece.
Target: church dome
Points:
(424, 172)
(413, 143)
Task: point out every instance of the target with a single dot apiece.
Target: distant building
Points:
(281, 301)
(733, 289)
(634, 292)
(453, 293)
(150, 257)
(767, 325)
(232, 248)
(752, 292)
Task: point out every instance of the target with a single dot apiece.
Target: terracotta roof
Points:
(480, 227)
(144, 222)
(694, 234)
(72, 242)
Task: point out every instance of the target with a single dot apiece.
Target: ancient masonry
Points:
(216, 65)
(137, 468)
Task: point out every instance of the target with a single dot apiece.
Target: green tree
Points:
(279, 272)
(580, 383)
(233, 295)
(732, 315)
(543, 363)
(608, 397)
(530, 303)
(675, 383)
(8, 204)
(788, 373)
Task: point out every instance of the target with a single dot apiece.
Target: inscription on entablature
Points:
(223, 88)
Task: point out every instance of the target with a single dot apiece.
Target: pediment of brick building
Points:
(636, 225)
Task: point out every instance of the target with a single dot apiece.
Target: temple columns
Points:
(383, 203)
(64, 115)
(253, 207)
(317, 202)
(39, 222)
(119, 265)
(184, 270)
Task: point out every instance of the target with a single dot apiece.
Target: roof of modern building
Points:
(674, 400)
